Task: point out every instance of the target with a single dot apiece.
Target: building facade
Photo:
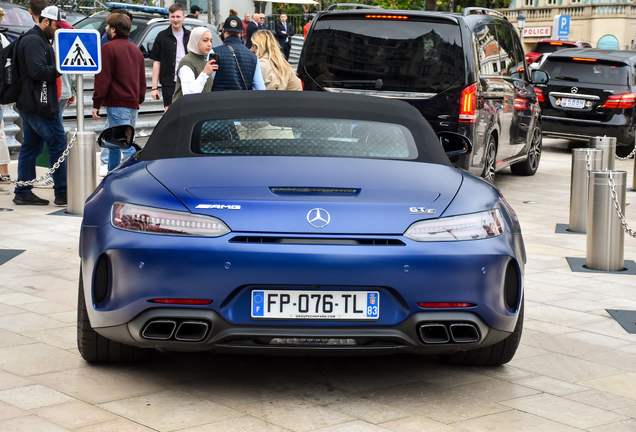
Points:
(604, 24)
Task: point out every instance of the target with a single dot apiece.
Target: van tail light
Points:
(520, 103)
(539, 94)
(621, 101)
(468, 105)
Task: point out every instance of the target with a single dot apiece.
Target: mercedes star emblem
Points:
(575, 90)
(318, 218)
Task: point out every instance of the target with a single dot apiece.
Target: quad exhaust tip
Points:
(167, 329)
(191, 331)
(159, 329)
(441, 333)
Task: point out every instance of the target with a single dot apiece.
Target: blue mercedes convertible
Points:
(297, 222)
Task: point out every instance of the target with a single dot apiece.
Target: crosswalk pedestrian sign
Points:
(78, 51)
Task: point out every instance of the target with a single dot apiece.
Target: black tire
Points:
(490, 158)
(94, 347)
(530, 166)
(494, 355)
(624, 151)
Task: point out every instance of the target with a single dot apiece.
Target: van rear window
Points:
(411, 55)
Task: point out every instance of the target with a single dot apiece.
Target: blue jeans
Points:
(37, 130)
(120, 116)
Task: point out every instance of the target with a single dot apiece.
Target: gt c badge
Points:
(421, 210)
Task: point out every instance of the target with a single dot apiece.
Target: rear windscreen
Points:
(354, 52)
(594, 72)
(303, 137)
(550, 48)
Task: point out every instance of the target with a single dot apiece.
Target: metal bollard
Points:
(579, 186)
(608, 145)
(81, 173)
(605, 235)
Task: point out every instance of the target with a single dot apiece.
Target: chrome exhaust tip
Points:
(434, 333)
(192, 331)
(159, 330)
(464, 333)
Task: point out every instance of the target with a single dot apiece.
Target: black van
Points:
(465, 73)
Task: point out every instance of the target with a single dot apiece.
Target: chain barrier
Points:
(46, 175)
(617, 206)
(612, 184)
(629, 156)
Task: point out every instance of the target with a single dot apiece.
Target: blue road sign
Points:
(563, 26)
(78, 51)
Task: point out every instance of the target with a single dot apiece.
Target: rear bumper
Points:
(620, 127)
(222, 336)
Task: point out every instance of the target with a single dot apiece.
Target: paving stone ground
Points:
(575, 369)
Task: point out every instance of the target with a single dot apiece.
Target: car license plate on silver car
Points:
(573, 103)
(327, 305)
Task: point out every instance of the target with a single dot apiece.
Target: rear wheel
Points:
(94, 347)
(494, 355)
(530, 166)
(489, 161)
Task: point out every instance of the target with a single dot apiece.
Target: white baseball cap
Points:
(54, 13)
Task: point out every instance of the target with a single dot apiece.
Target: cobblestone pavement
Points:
(575, 369)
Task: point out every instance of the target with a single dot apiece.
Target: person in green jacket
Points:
(195, 73)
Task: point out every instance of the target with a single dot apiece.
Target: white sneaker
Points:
(47, 183)
(103, 170)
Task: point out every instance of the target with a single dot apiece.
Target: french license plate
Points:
(323, 305)
(572, 103)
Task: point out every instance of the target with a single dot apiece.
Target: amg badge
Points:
(219, 206)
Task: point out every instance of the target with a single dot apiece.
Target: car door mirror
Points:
(454, 143)
(117, 137)
(540, 77)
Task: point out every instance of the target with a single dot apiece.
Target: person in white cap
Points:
(39, 108)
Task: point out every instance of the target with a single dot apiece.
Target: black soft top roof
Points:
(172, 135)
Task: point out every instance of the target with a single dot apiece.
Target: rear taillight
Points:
(132, 217)
(520, 103)
(527, 58)
(622, 101)
(468, 105)
(539, 94)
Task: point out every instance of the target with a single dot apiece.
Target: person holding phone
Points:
(195, 73)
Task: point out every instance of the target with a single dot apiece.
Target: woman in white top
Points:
(277, 72)
(195, 73)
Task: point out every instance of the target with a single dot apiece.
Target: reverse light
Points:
(474, 226)
(192, 302)
(444, 305)
(539, 93)
(468, 104)
(132, 217)
(621, 101)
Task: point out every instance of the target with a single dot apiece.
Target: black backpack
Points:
(10, 80)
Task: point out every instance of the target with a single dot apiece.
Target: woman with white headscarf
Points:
(194, 74)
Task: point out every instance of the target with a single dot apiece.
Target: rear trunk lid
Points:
(579, 87)
(276, 194)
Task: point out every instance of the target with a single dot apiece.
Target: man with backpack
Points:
(38, 104)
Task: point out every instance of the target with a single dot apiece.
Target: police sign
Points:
(78, 51)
